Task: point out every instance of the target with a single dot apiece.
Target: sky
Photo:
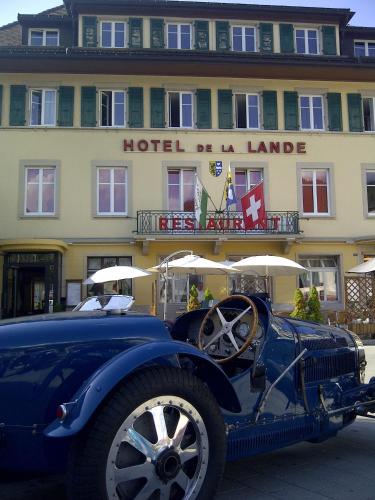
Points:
(365, 9)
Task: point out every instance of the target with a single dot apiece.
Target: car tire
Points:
(160, 435)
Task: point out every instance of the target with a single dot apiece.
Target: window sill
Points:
(316, 216)
(39, 217)
(112, 216)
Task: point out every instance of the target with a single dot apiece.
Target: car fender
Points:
(93, 392)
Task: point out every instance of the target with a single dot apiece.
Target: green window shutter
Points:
(329, 40)
(334, 112)
(1, 102)
(17, 105)
(291, 110)
(222, 35)
(355, 113)
(201, 35)
(135, 33)
(157, 34)
(66, 107)
(225, 103)
(88, 107)
(135, 107)
(266, 37)
(89, 31)
(204, 108)
(270, 110)
(286, 38)
(157, 108)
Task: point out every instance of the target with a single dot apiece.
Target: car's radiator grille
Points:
(328, 343)
(260, 439)
(327, 367)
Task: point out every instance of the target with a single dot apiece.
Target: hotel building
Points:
(109, 109)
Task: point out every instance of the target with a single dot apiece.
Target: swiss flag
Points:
(254, 213)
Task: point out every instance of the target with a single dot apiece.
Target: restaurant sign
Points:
(176, 146)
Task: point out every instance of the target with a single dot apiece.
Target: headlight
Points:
(361, 356)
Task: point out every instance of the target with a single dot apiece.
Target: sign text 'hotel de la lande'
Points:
(176, 146)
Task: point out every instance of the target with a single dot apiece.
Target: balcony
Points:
(160, 222)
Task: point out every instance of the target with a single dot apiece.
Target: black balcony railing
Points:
(174, 222)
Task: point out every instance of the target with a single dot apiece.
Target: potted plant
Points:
(300, 306)
(207, 298)
(193, 299)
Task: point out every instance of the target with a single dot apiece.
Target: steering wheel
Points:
(226, 328)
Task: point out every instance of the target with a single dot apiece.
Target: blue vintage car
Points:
(133, 408)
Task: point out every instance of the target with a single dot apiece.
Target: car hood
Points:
(78, 327)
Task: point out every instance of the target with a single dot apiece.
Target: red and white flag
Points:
(253, 208)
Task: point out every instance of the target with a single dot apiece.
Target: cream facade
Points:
(76, 231)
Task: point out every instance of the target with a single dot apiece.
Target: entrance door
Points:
(30, 291)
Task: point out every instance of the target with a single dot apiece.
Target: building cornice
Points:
(184, 63)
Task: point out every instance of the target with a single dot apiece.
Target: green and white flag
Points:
(200, 203)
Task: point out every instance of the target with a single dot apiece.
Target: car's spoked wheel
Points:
(160, 451)
(160, 435)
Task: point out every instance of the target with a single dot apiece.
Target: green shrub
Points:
(313, 306)
(300, 305)
(193, 299)
(208, 295)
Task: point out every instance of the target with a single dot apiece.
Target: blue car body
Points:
(299, 381)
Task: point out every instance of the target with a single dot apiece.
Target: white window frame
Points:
(112, 189)
(42, 124)
(113, 92)
(179, 24)
(113, 33)
(243, 37)
(311, 109)
(181, 93)
(44, 31)
(181, 171)
(366, 184)
(366, 42)
(247, 94)
(373, 113)
(323, 270)
(306, 38)
(40, 212)
(315, 196)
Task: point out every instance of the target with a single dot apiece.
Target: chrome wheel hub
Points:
(159, 452)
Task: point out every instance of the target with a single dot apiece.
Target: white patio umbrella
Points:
(191, 264)
(116, 273)
(269, 266)
(365, 267)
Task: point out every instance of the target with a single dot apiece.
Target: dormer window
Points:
(179, 36)
(244, 38)
(44, 38)
(364, 49)
(307, 41)
(113, 34)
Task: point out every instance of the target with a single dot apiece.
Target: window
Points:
(111, 191)
(307, 41)
(370, 191)
(95, 263)
(43, 107)
(363, 49)
(44, 37)
(112, 108)
(368, 104)
(113, 34)
(311, 112)
(247, 111)
(181, 184)
(244, 180)
(178, 286)
(323, 273)
(315, 192)
(40, 185)
(180, 106)
(179, 36)
(244, 39)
